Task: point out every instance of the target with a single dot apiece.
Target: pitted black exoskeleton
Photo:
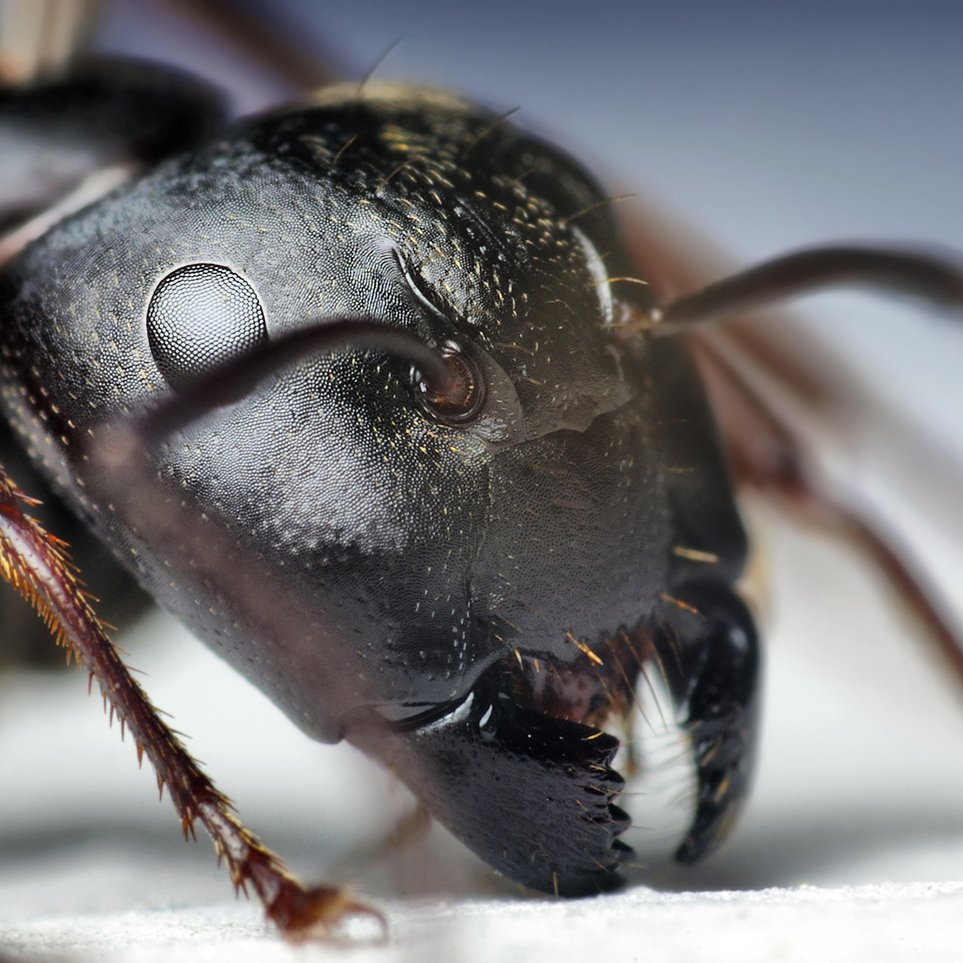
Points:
(462, 531)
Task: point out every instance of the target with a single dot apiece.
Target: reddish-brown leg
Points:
(766, 454)
(37, 566)
(777, 396)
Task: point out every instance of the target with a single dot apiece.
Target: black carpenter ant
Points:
(377, 397)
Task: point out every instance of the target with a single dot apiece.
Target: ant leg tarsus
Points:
(36, 563)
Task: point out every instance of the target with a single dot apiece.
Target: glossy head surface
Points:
(419, 549)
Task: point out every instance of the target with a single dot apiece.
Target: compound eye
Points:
(460, 396)
(199, 317)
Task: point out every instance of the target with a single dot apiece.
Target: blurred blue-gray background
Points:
(765, 125)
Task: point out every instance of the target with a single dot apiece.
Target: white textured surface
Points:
(884, 922)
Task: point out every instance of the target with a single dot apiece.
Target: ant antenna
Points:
(934, 278)
(233, 380)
